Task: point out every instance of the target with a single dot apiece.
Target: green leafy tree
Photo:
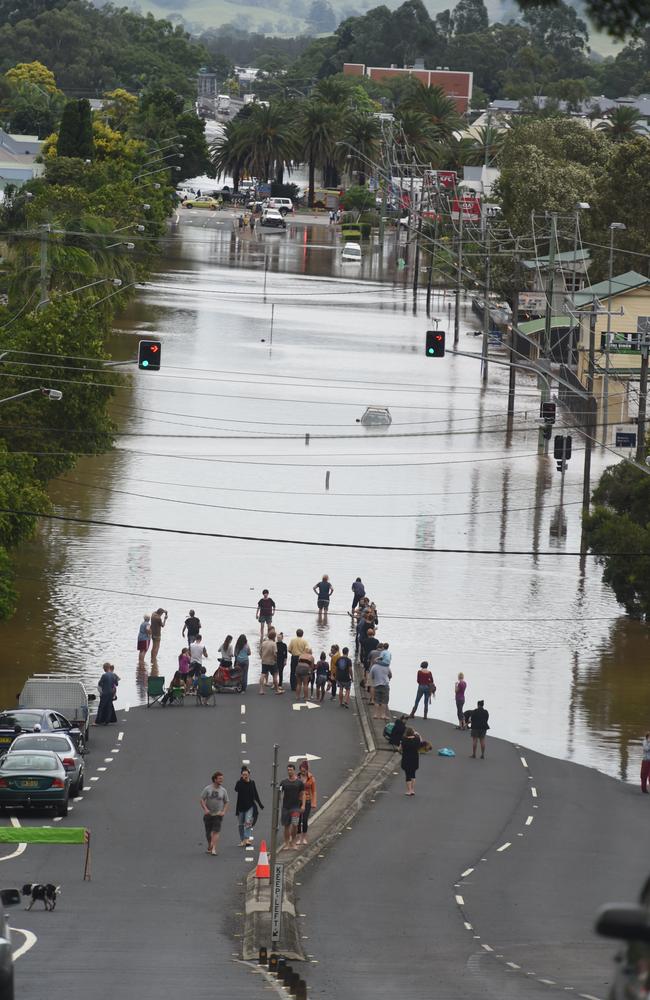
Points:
(439, 109)
(618, 530)
(32, 110)
(358, 199)
(76, 131)
(621, 195)
(469, 16)
(270, 138)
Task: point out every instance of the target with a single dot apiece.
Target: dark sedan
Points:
(34, 778)
(35, 720)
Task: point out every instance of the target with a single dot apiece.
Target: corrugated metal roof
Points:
(620, 283)
(532, 326)
(566, 257)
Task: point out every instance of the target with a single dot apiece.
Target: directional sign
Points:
(304, 704)
(303, 756)
(277, 892)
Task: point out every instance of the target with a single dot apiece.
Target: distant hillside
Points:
(291, 17)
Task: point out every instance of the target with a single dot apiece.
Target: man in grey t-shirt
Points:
(214, 803)
(380, 675)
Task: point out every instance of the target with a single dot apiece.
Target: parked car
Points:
(283, 205)
(271, 219)
(629, 922)
(34, 778)
(8, 897)
(61, 692)
(204, 201)
(58, 743)
(25, 720)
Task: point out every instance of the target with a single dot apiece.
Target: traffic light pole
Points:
(643, 396)
(486, 303)
(459, 275)
(542, 447)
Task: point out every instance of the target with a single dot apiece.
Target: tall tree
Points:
(362, 132)
(76, 132)
(469, 16)
(622, 124)
(439, 109)
(270, 136)
(318, 131)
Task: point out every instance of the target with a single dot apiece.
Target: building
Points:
(18, 158)
(456, 84)
(628, 303)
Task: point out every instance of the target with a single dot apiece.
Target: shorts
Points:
(321, 682)
(143, 645)
(266, 619)
(322, 603)
(381, 694)
(478, 734)
(290, 817)
(268, 668)
(344, 684)
(303, 671)
(212, 824)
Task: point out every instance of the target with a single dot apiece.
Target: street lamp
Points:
(160, 170)
(580, 206)
(613, 226)
(54, 394)
(127, 246)
(160, 159)
(132, 225)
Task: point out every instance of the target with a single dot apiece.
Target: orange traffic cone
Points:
(263, 869)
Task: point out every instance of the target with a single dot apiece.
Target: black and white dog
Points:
(47, 893)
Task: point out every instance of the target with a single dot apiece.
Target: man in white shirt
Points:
(197, 653)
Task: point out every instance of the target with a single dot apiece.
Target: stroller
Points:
(228, 678)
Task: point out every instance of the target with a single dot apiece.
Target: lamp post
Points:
(161, 159)
(160, 170)
(54, 394)
(613, 226)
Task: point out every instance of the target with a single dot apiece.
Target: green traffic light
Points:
(145, 364)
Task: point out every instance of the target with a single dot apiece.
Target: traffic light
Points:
(547, 413)
(562, 451)
(149, 355)
(435, 347)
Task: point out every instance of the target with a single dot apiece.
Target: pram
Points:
(228, 679)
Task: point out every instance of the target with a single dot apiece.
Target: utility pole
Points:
(590, 422)
(542, 447)
(486, 304)
(643, 396)
(612, 227)
(382, 223)
(45, 236)
(416, 265)
(459, 274)
(512, 374)
(275, 792)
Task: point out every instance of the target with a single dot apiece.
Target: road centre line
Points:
(533, 792)
(29, 942)
(460, 900)
(468, 871)
(243, 737)
(524, 761)
(529, 820)
(504, 847)
(242, 709)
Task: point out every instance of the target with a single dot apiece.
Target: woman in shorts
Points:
(303, 673)
(144, 638)
(322, 676)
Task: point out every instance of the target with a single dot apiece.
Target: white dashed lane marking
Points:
(460, 900)
(468, 871)
(120, 737)
(487, 947)
(529, 820)
(243, 737)
(533, 792)
(524, 761)
(504, 847)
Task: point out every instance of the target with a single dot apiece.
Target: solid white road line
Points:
(524, 761)
(20, 848)
(468, 871)
(29, 942)
(529, 820)
(533, 792)
(460, 900)
(504, 847)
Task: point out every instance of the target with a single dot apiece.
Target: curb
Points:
(329, 824)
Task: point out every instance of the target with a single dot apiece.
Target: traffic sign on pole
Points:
(277, 893)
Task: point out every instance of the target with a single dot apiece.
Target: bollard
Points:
(301, 992)
(292, 983)
(273, 962)
(263, 957)
(285, 973)
(327, 479)
(282, 964)
(306, 438)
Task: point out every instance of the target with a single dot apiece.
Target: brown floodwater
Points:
(267, 339)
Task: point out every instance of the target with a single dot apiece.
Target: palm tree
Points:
(317, 134)
(434, 103)
(334, 90)
(361, 134)
(228, 152)
(486, 145)
(269, 139)
(416, 138)
(623, 123)
(454, 153)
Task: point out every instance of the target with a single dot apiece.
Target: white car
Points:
(351, 252)
(272, 219)
(283, 205)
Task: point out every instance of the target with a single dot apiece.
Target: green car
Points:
(34, 778)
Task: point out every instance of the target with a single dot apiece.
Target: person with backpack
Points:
(242, 657)
(426, 689)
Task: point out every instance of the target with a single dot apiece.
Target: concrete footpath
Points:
(485, 882)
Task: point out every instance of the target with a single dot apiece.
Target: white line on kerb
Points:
(460, 900)
(20, 848)
(504, 847)
(529, 820)
(243, 737)
(468, 871)
(533, 792)
(487, 947)
(29, 942)
(120, 737)
(524, 761)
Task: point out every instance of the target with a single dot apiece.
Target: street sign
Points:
(277, 892)
(625, 439)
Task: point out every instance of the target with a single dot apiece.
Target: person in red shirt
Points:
(426, 689)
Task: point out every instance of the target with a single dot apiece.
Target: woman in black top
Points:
(410, 758)
(246, 808)
(281, 647)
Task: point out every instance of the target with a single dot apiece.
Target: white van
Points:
(283, 205)
(63, 693)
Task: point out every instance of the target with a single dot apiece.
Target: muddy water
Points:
(215, 444)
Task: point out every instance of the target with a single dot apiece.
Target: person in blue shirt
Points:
(323, 591)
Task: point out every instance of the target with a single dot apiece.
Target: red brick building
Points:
(456, 84)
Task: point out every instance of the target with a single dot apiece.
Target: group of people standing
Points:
(107, 686)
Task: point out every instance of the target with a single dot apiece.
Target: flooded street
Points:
(268, 338)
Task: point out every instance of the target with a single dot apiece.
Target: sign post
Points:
(277, 893)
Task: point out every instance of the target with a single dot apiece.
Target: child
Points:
(322, 676)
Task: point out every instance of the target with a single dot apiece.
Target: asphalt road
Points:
(390, 913)
(158, 917)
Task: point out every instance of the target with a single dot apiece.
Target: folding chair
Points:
(205, 691)
(177, 696)
(155, 690)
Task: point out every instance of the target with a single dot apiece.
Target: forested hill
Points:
(92, 50)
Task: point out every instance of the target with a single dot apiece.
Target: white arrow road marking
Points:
(20, 848)
(303, 756)
(303, 704)
(29, 942)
